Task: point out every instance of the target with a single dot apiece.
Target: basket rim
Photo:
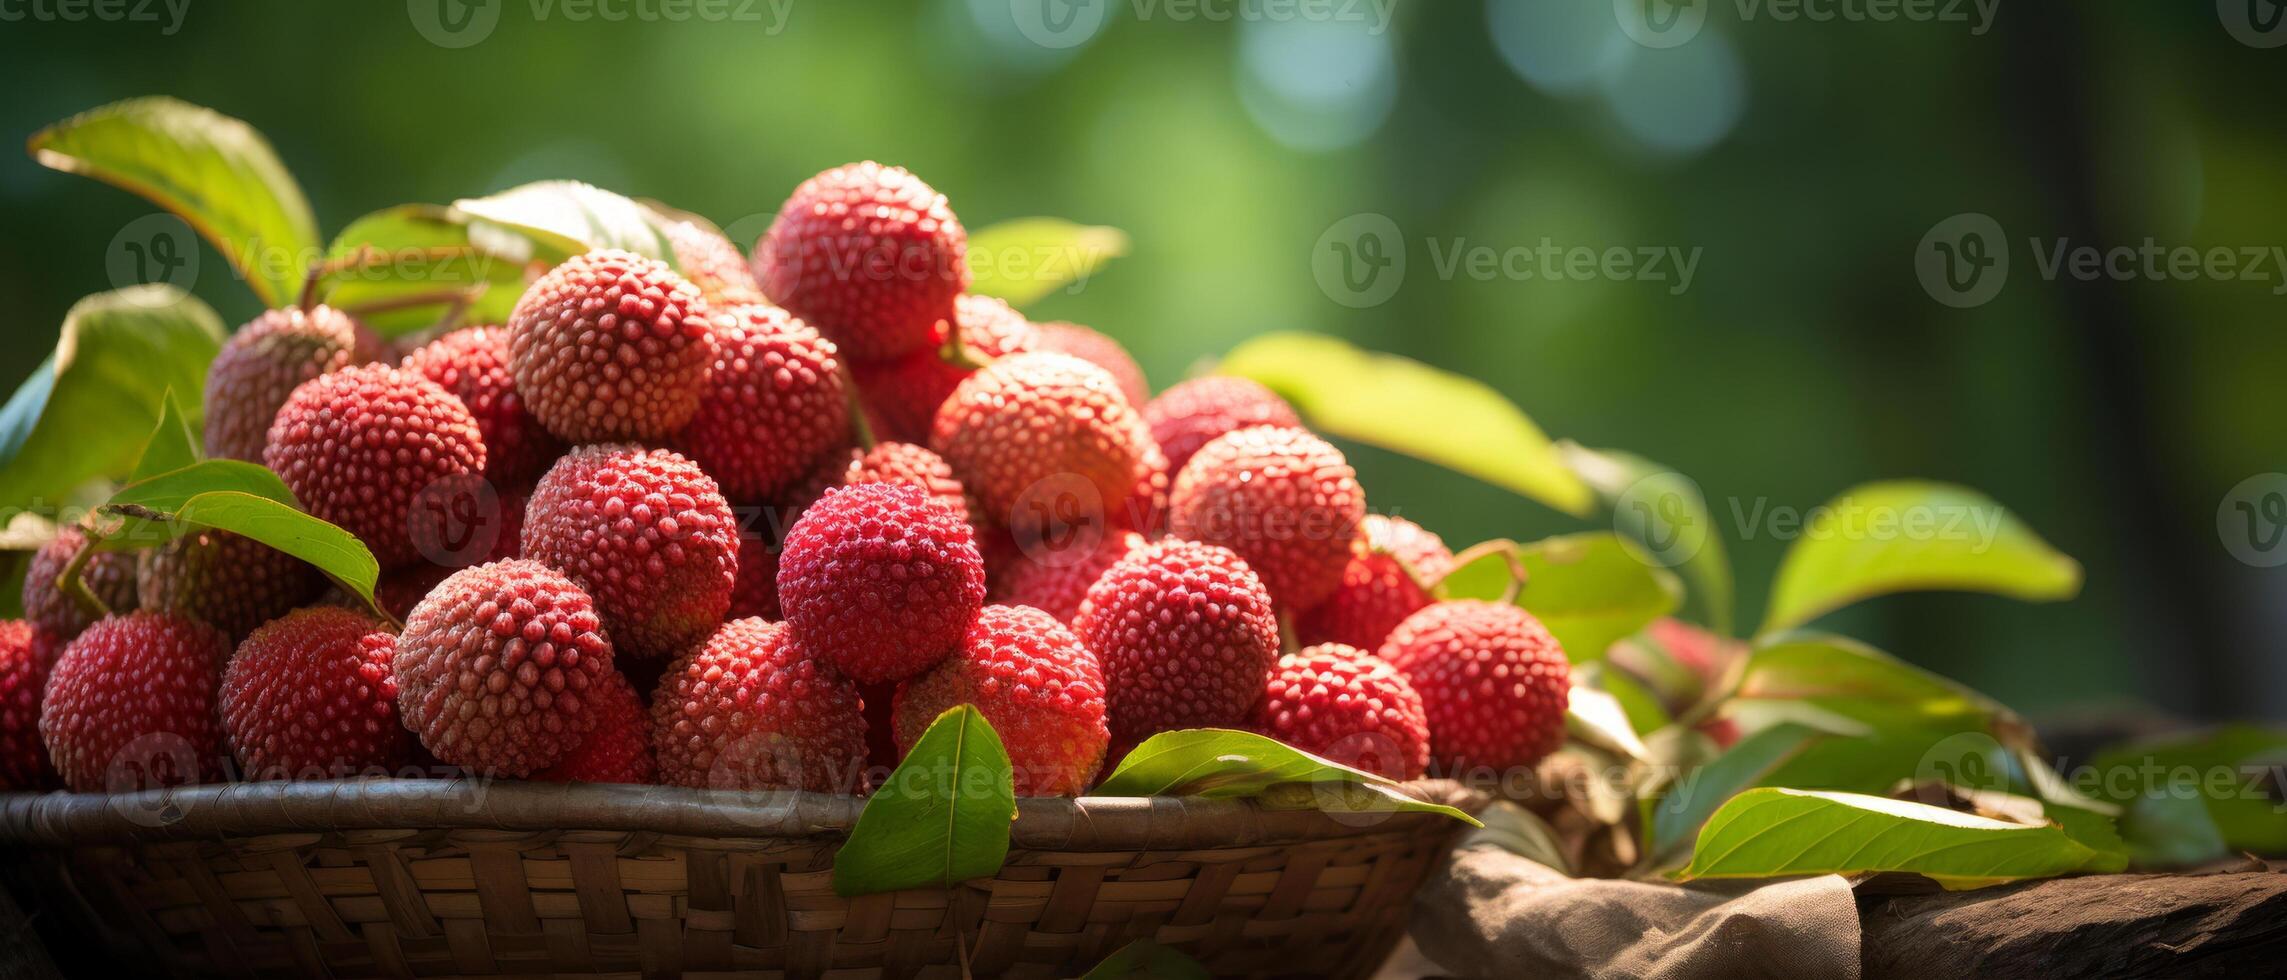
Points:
(66, 819)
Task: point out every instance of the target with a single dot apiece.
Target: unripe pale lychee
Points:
(264, 362)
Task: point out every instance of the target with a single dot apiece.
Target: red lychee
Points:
(1090, 345)
(23, 676)
(359, 446)
(610, 346)
(751, 709)
(1382, 584)
(231, 582)
(774, 404)
(880, 580)
(886, 462)
(1045, 443)
(712, 263)
(619, 750)
(264, 362)
(1186, 635)
(1196, 412)
(902, 395)
(131, 704)
(1056, 580)
(869, 255)
(1040, 689)
(1283, 499)
(1492, 680)
(1351, 707)
(498, 666)
(473, 364)
(647, 534)
(312, 695)
(109, 575)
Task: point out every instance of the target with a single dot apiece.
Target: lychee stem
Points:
(1510, 555)
(861, 431)
(70, 582)
(956, 350)
(413, 301)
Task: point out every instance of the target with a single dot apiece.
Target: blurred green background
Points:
(1801, 161)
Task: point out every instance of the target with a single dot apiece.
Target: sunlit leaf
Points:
(1589, 589)
(1024, 260)
(565, 216)
(1217, 763)
(401, 268)
(942, 817)
(1667, 516)
(1773, 832)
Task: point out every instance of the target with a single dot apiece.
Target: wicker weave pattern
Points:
(485, 901)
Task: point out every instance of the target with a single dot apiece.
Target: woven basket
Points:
(432, 878)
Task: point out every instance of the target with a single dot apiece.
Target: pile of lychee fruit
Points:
(756, 525)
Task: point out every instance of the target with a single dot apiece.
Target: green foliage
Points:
(1219, 763)
(2239, 773)
(943, 817)
(1589, 589)
(566, 216)
(1774, 832)
(402, 267)
(1024, 260)
(1665, 514)
(1749, 763)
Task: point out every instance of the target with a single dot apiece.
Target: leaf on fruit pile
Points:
(1024, 260)
(1216, 763)
(1145, 958)
(1907, 535)
(172, 445)
(565, 216)
(1589, 589)
(2239, 772)
(213, 171)
(87, 412)
(244, 499)
(942, 817)
(424, 252)
(1408, 407)
(1771, 832)
(1664, 513)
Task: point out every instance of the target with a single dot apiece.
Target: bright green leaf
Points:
(1696, 794)
(1024, 260)
(1217, 763)
(1666, 515)
(942, 817)
(1909, 536)
(1589, 589)
(1408, 407)
(213, 171)
(1848, 678)
(418, 258)
(1644, 711)
(1771, 832)
(172, 445)
(1145, 958)
(564, 216)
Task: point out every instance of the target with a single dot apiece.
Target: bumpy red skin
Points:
(619, 750)
(1284, 499)
(1376, 592)
(902, 395)
(111, 576)
(358, 446)
(231, 582)
(713, 264)
(1088, 344)
(1492, 680)
(1044, 442)
(647, 534)
(131, 704)
(23, 676)
(1040, 689)
(1196, 412)
(1056, 581)
(774, 404)
(755, 594)
(880, 580)
(886, 462)
(472, 363)
(312, 695)
(264, 362)
(498, 668)
(1186, 635)
(751, 709)
(1339, 703)
(400, 589)
(869, 255)
(611, 346)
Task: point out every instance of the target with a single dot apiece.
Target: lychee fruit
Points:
(619, 750)
(774, 404)
(473, 364)
(902, 395)
(131, 704)
(269, 357)
(229, 581)
(1382, 584)
(755, 592)
(647, 533)
(360, 446)
(869, 255)
(312, 695)
(1196, 412)
(1341, 704)
(886, 462)
(609, 346)
(1055, 580)
(1186, 635)
(1045, 443)
(752, 709)
(23, 676)
(1284, 499)
(498, 668)
(712, 263)
(1040, 689)
(1091, 345)
(1493, 681)
(109, 575)
(880, 580)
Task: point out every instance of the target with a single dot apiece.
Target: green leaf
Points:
(1145, 958)
(1643, 709)
(172, 445)
(1903, 536)
(565, 216)
(1596, 717)
(2166, 830)
(86, 413)
(213, 171)
(166, 493)
(1664, 513)
(1844, 677)
(244, 499)
(1771, 832)
(1024, 260)
(1519, 831)
(419, 256)
(1695, 795)
(1216, 763)
(942, 818)
(1589, 589)
(1408, 407)
(2238, 771)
